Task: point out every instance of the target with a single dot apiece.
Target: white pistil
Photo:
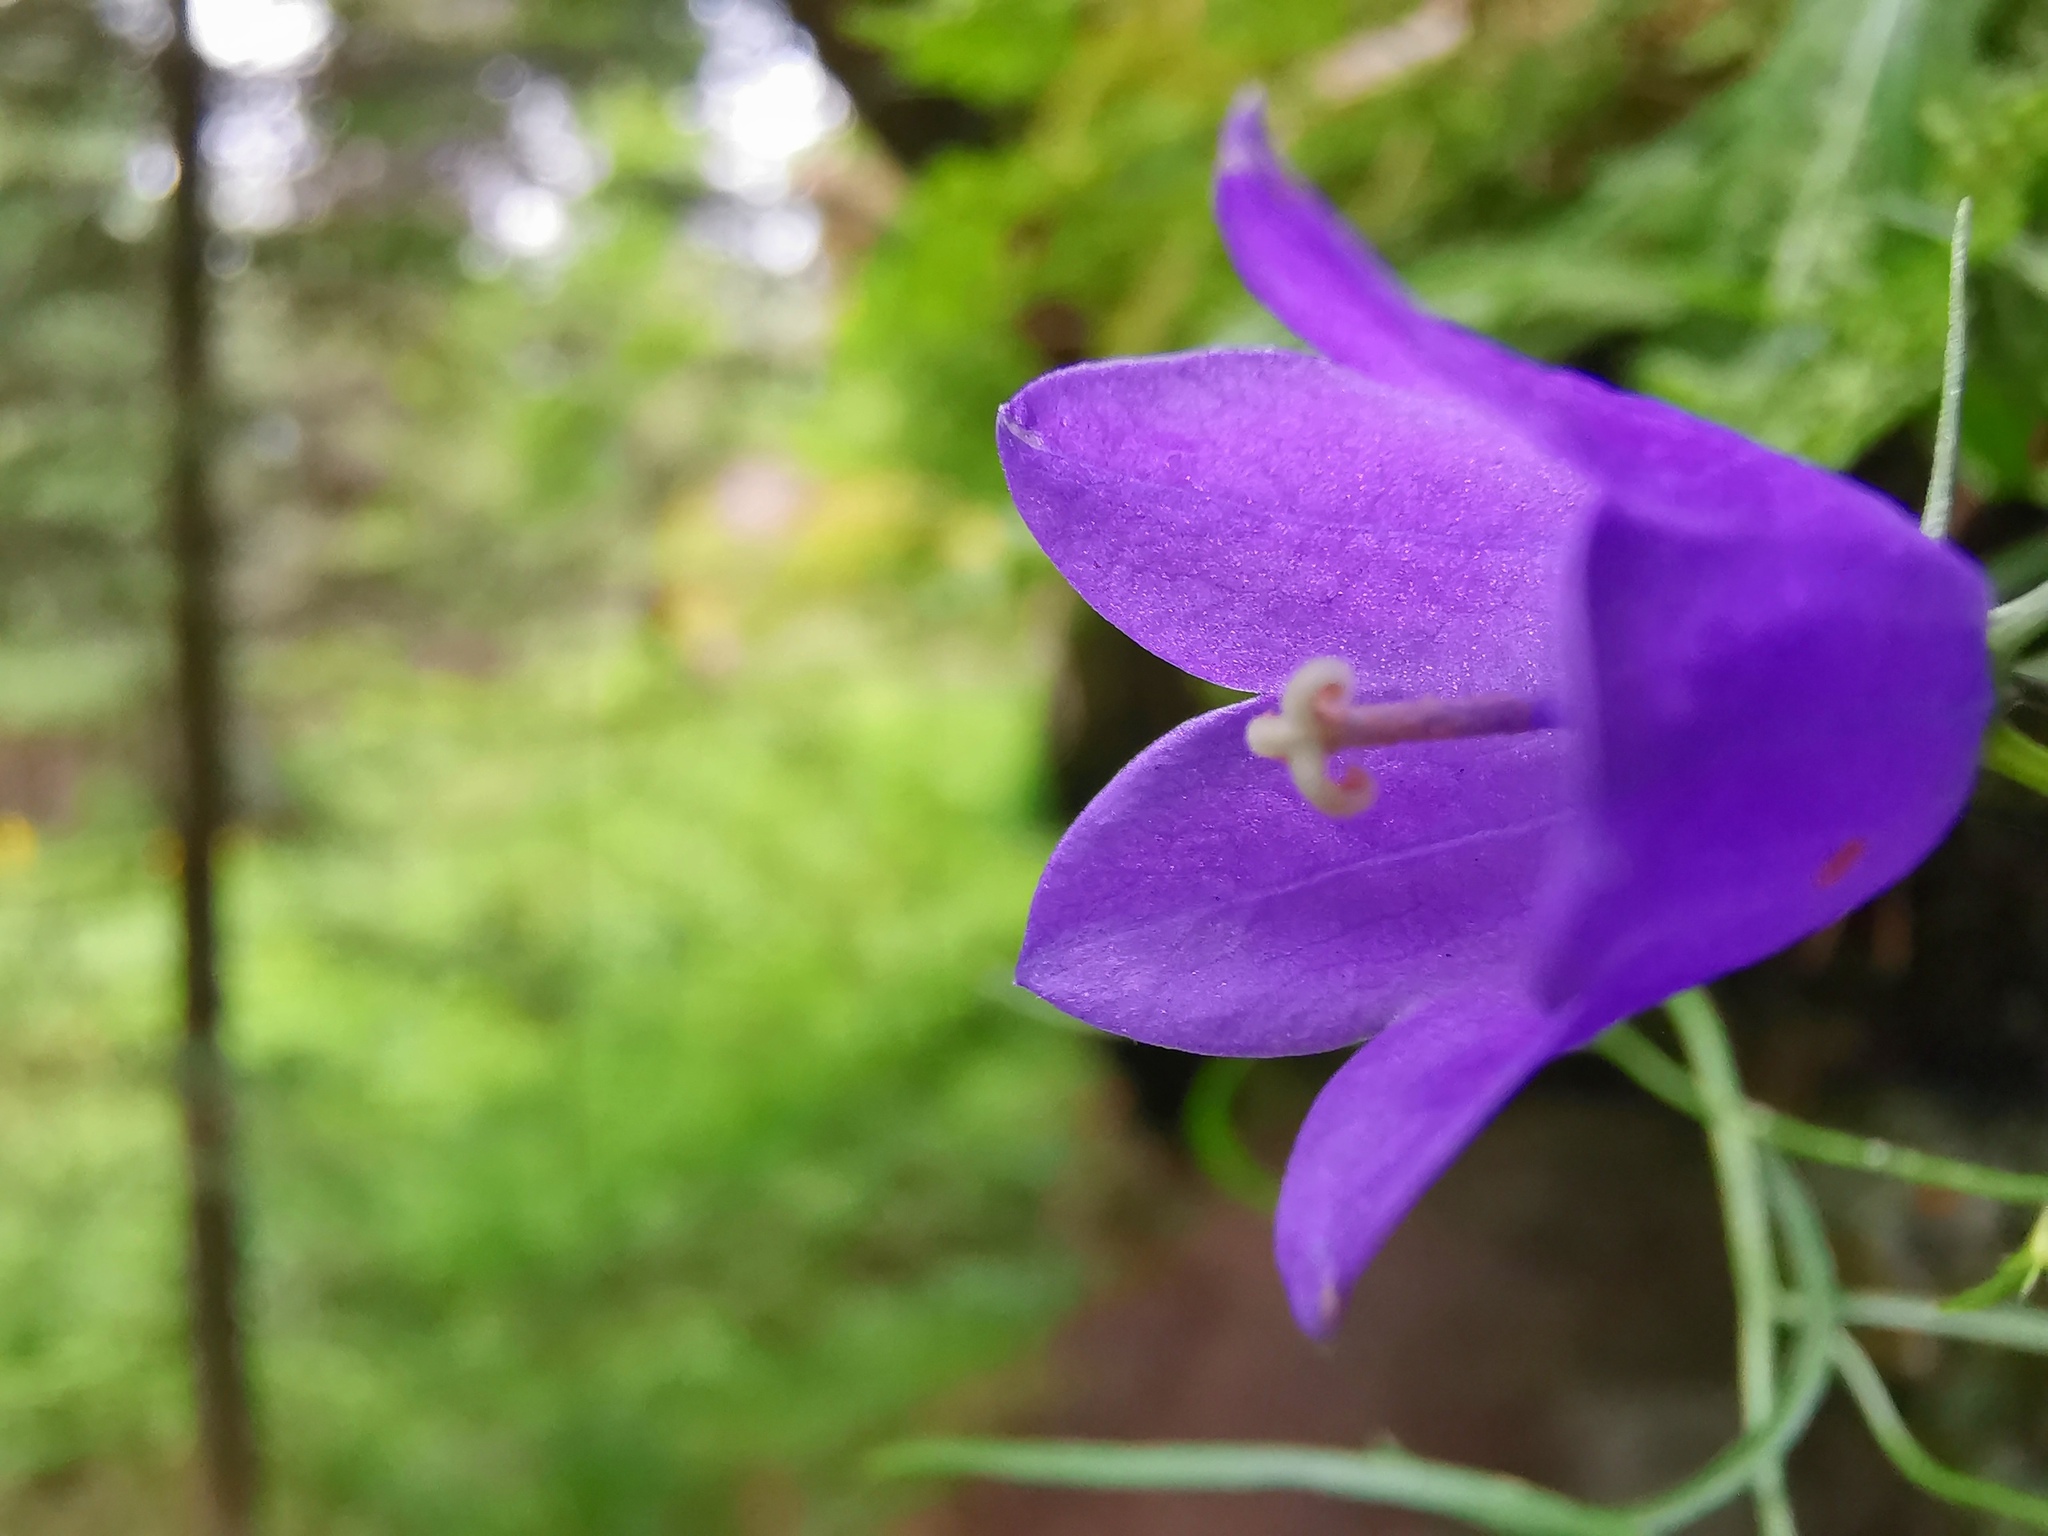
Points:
(1299, 737)
(1317, 718)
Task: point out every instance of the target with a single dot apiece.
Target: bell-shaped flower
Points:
(1595, 701)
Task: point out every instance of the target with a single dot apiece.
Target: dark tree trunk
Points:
(1111, 700)
(227, 1444)
(913, 125)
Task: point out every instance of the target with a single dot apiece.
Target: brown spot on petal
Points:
(1836, 866)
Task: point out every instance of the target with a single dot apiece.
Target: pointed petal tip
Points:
(1010, 424)
(1030, 972)
(1313, 1279)
(1317, 1302)
(1384, 1127)
(1243, 143)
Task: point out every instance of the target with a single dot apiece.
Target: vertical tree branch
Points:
(227, 1442)
(913, 125)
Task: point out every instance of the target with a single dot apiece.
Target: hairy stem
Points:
(1948, 431)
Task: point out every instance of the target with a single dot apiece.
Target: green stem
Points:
(1744, 1211)
(1396, 1479)
(1485, 1500)
(2021, 1328)
(1806, 1380)
(1661, 1077)
(1912, 1459)
(2011, 753)
(1948, 430)
(2015, 625)
(1209, 1126)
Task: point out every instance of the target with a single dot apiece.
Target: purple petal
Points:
(1199, 903)
(1305, 264)
(1789, 682)
(1241, 512)
(1790, 691)
(1385, 1126)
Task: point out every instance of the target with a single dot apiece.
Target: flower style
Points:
(1642, 702)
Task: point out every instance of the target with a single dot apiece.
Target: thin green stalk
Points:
(2021, 1328)
(1948, 431)
(1209, 1126)
(1662, 1078)
(1745, 1214)
(1396, 1479)
(2017, 624)
(1485, 1500)
(1806, 1379)
(2016, 756)
(1645, 1064)
(1912, 1458)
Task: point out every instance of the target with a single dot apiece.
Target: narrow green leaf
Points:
(2013, 1277)
(2018, 757)
(1844, 121)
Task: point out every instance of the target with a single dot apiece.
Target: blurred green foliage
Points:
(629, 1097)
(634, 1117)
(1743, 206)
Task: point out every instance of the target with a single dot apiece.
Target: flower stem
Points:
(2014, 755)
(1395, 1479)
(1661, 1077)
(1209, 1126)
(1806, 1380)
(2020, 1328)
(2017, 624)
(1941, 484)
(1745, 1214)
(1487, 1500)
(1912, 1459)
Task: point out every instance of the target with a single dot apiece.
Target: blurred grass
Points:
(626, 1120)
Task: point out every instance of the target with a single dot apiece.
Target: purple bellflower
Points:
(1643, 702)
